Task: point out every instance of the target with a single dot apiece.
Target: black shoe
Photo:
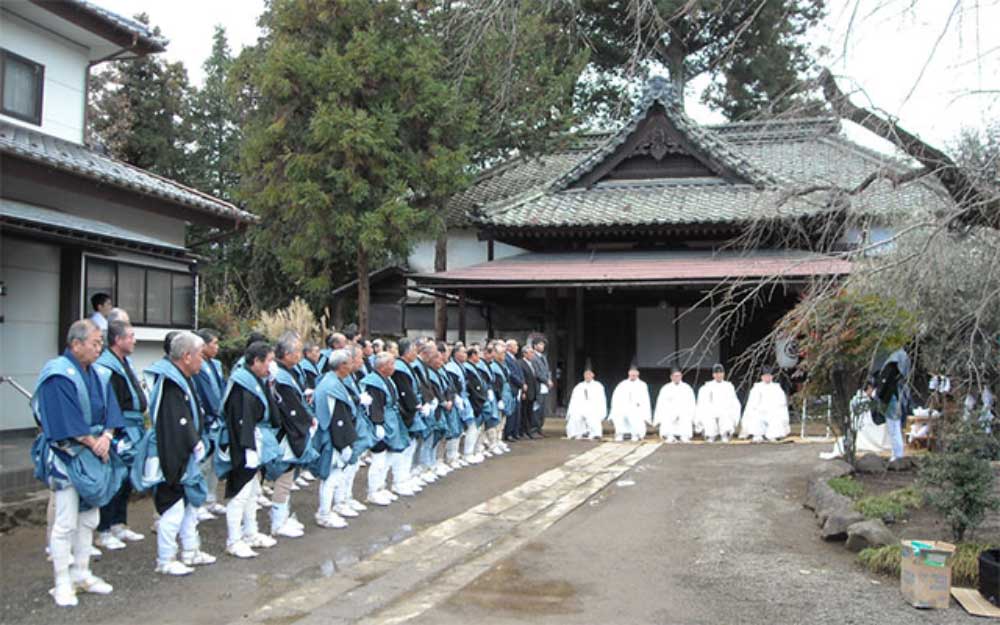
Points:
(531, 435)
(540, 433)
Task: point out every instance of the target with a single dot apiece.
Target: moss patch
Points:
(846, 486)
(892, 506)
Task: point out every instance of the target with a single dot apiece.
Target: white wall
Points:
(464, 250)
(63, 97)
(29, 334)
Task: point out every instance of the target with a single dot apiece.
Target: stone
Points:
(869, 533)
(828, 501)
(838, 521)
(833, 468)
(870, 463)
(906, 463)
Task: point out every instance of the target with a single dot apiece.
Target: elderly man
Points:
(381, 399)
(364, 428)
(76, 408)
(113, 530)
(432, 397)
(630, 410)
(415, 412)
(675, 409)
(309, 370)
(479, 386)
(530, 426)
(296, 425)
(247, 404)
(546, 386)
(455, 369)
(504, 394)
(588, 406)
(179, 487)
(334, 342)
(512, 428)
(336, 415)
(211, 384)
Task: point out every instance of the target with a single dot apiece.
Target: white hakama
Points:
(588, 406)
(675, 411)
(718, 409)
(630, 409)
(871, 437)
(766, 413)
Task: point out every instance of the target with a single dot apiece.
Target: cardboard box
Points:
(925, 575)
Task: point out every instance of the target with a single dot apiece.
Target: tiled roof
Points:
(776, 157)
(132, 27)
(658, 267)
(82, 161)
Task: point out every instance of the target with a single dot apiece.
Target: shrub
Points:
(958, 481)
(846, 486)
(296, 316)
(890, 506)
(882, 560)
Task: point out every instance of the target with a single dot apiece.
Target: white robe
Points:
(766, 413)
(871, 437)
(630, 409)
(718, 409)
(675, 411)
(588, 406)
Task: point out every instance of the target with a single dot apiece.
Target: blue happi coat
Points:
(143, 478)
(465, 412)
(491, 414)
(135, 421)
(452, 419)
(60, 461)
(396, 436)
(421, 424)
(270, 449)
(283, 463)
(506, 391)
(434, 422)
(332, 388)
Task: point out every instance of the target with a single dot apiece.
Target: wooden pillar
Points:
(578, 333)
(440, 303)
(572, 347)
(461, 315)
(489, 321)
(551, 334)
(489, 250)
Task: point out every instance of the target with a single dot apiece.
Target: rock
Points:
(906, 463)
(833, 468)
(870, 463)
(869, 533)
(826, 501)
(838, 521)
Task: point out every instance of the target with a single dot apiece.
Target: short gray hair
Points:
(286, 344)
(339, 358)
(80, 330)
(383, 359)
(118, 314)
(185, 343)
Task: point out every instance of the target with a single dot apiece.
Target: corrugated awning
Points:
(54, 224)
(636, 268)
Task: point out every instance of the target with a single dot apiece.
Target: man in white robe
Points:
(675, 409)
(588, 406)
(766, 413)
(630, 407)
(718, 407)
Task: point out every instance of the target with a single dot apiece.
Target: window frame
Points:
(145, 296)
(39, 87)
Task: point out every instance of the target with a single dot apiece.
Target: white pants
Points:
(344, 490)
(72, 535)
(211, 481)
(378, 471)
(451, 450)
(714, 426)
(241, 512)
(471, 436)
(406, 463)
(895, 427)
(328, 487)
(179, 520)
(396, 461)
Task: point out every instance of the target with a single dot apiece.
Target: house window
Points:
(21, 83)
(151, 296)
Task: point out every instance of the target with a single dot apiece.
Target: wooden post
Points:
(364, 292)
(461, 315)
(440, 303)
(551, 335)
(489, 321)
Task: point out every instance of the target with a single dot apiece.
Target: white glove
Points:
(434, 404)
(491, 395)
(313, 427)
(543, 389)
(199, 451)
(459, 402)
(123, 444)
(272, 369)
(379, 432)
(345, 454)
(500, 405)
(366, 399)
(426, 410)
(252, 459)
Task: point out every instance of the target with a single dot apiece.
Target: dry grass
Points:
(298, 317)
(964, 567)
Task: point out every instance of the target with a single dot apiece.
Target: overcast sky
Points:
(887, 50)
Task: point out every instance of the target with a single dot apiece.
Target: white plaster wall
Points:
(29, 334)
(64, 91)
(464, 250)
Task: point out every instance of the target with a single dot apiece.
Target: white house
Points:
(74, 222)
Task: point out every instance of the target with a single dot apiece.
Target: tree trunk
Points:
(364, 294)
(673, 57)
(440, 303)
